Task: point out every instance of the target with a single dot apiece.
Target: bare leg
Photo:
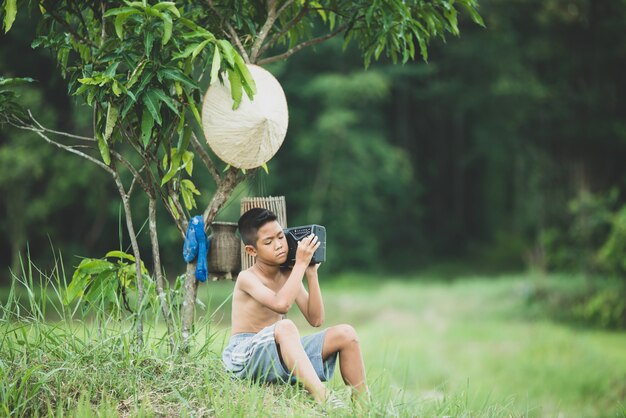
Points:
(344, 339)
(295, 358)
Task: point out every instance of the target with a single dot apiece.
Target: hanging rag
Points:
(197, 246)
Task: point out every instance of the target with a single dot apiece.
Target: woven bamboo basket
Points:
(274, 203)
(224, 259)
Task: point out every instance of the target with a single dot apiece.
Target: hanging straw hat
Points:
(249, 136)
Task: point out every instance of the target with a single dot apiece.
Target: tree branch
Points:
(67, 134)
(206, 159)
(301, 46)
(232, 34)
(265, 30)
(289, 25)
(135, 173)
(67, 148)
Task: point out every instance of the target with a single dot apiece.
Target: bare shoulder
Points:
(245, 279)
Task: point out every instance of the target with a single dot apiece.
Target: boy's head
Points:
(250, 223)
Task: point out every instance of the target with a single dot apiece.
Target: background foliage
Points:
(503, 151)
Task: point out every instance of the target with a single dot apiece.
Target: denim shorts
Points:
(255, 356)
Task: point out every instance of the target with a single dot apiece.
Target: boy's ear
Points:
(250, 250)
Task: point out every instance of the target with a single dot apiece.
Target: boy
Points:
(265, 346)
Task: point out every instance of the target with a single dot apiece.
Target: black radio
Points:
(297, 233)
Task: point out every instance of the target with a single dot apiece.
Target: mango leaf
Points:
(174, 212)
(160, 94)
(188, 162)
(10, 11)
(188, 184)
(104, 149)
(187, 52)
(148, 41)
(174, 166)
(103, 286)
(175, 74)
(79, 283)
(184, 139)
(167, 5)
(215, 65)
(153, 104)
(134, 77)
(227, 51)
(199, 48)
(111, 120)
(194, 109)
(147, 123)
(249, 86)
(235, 87)
(120, 10)
(167, 28)
(120, 254)
(120, 19)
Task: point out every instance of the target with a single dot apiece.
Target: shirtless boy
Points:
(263, 345)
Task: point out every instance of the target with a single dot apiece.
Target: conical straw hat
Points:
(249, 136)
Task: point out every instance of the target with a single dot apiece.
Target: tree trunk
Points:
(160, 282)
(223, 192)
(133, 240)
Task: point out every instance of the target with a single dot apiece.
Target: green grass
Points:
(466, 348)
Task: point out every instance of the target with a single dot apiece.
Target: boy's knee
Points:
(286, 329)
(348, 333)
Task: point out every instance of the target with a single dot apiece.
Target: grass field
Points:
(467, 348)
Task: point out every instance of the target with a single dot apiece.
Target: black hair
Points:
(250, 223)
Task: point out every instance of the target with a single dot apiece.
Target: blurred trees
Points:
(486, 153)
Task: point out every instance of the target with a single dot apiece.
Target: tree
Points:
(142, 67)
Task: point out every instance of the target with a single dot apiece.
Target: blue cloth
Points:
(197, 246)
(255, 356)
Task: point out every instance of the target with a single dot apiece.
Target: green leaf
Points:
(227, 51)
(173, 168)
(199, 49)
(165, 99)
(167, 28)
(185, 138)
(104, 149)
(120, 254)
(188, 162)
(147, 123)
(235, 87)
(104, 284)
(10, 11)
(119, 25)
(134, 77)
(170, 201)
(148, 41)
(215, 65)
(188, 199)
(153, 104)
(177, 75)
(77, 286)
(116, 88)
(111, 120)
(187, 52)
(167, 5)
(120, 10)
(194, 109)
(264, 165)
(188, 184)
(248, 85)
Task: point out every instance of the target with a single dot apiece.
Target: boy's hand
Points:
(306, 249)
(311, 271)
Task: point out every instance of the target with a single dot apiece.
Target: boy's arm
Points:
(311, 303)
(282, 300)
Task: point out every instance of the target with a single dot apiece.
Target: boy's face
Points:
(271, 244)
